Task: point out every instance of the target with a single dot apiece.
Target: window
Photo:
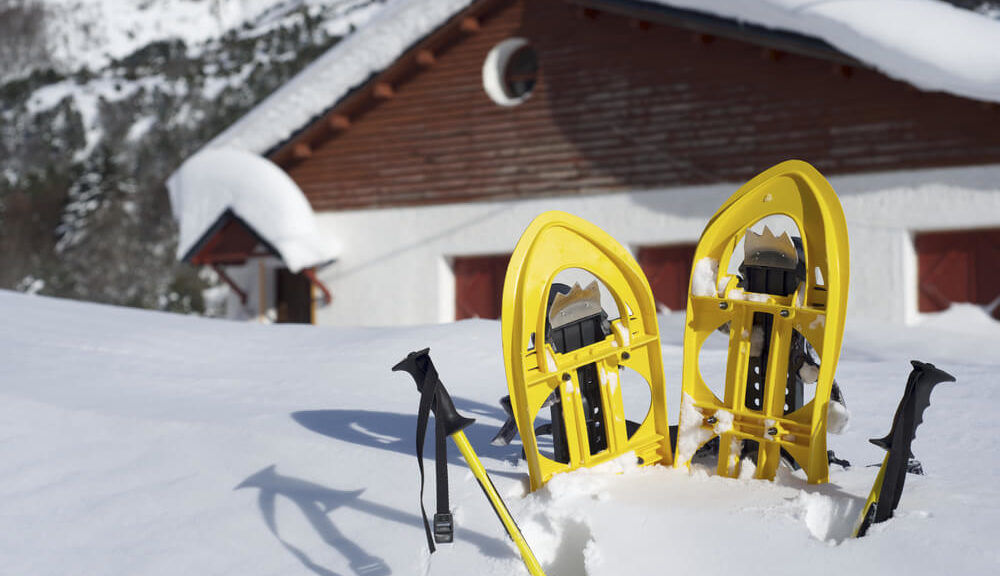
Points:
(522, 68)
(510, 71)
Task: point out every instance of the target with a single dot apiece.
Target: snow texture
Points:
(134, 442)
(265, 197)
(703, 278)
(690, 434)
(929, 44)
(838, 418)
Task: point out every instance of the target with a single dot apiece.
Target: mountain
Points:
(101, 100)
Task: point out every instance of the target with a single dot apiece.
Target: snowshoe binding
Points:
(784, 304)
(573, 368)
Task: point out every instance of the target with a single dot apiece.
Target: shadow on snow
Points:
(318, 502)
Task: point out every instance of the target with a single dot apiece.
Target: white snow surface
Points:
(264, 196)
(704, 277)
(929, 44)
(135, 442)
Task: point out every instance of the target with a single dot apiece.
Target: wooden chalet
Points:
(642, 117)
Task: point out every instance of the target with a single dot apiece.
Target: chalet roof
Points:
(216, 187)
(930, 44)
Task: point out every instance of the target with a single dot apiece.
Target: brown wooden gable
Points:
(622, 101)
(230, 241)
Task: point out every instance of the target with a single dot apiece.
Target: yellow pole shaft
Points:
(872, 496)
(534, 568)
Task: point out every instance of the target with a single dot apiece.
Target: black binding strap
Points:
(443, 525)
(434, 397)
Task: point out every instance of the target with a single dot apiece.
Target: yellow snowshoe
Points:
(787, 296)
(562, 352)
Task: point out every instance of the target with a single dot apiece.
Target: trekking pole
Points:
(435, 398)
(888, 487)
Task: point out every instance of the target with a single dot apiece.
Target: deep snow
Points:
(143, 443)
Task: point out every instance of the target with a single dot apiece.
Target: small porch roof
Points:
(229, 203)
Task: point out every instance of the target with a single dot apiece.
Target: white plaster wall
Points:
(260, 294)
(395, 264)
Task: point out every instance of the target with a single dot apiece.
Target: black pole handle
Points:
(420, 366)
(898, 442)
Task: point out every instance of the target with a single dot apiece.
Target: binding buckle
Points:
(444, 528)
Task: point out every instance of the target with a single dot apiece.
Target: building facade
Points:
(643, 119)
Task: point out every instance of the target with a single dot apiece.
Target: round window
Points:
(510, 71)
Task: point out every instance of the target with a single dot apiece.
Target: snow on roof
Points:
(927, 43)
(350, 63)
(930, 44)
(214, 181)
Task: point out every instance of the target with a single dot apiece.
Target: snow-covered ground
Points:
(143, 443)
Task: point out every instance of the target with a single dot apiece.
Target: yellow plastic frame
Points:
(794, 189)
(553, 242)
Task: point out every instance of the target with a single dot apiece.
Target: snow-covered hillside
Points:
(90, 131)
(93, 33)
(146, 443)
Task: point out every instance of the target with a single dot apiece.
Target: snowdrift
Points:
(143, 443)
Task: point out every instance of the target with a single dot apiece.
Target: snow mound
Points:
(215, 181)
(965, 318)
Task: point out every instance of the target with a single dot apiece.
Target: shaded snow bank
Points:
(214, 181)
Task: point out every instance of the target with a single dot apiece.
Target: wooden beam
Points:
(640, 24)
(470, 25)
(339, 122)
(310, 273)
(425, 58)
(301, 151)
(383, 91)
(231, 283)
(588, 13)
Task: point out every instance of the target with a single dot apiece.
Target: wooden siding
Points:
(622, 106)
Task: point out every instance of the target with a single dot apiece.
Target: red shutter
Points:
(668, 269)
(479, 285)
